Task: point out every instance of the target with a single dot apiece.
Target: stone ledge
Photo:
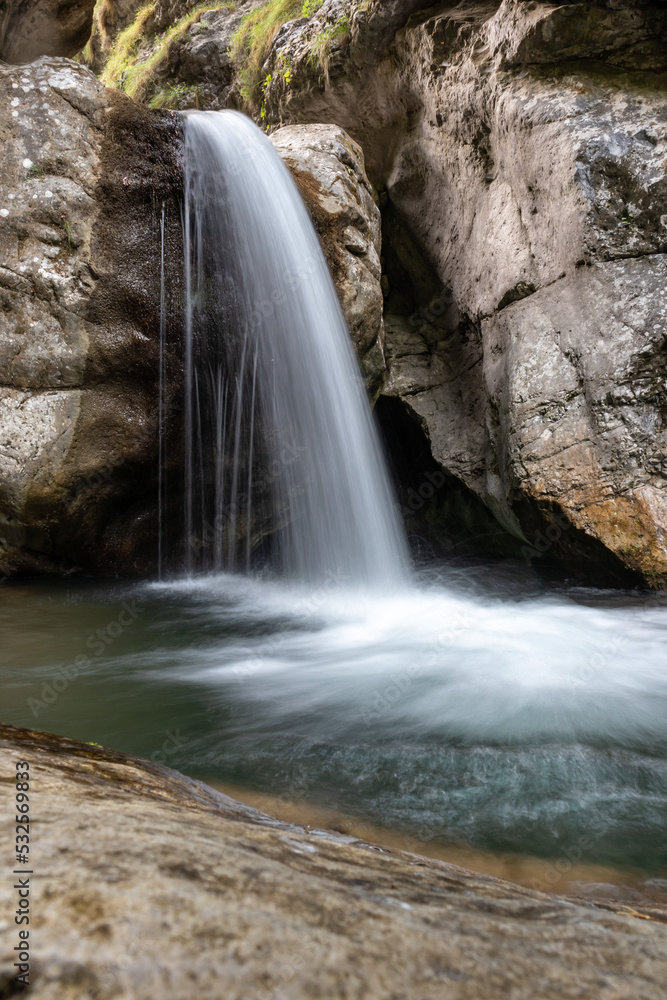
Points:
(147, 884)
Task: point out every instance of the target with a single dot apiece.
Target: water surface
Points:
(476, 710)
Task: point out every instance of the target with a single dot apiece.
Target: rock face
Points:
(522, 147)
(519, 149)
(80, 310)
(33, 28)
(149, 884)
(84, 171)
(329, 170)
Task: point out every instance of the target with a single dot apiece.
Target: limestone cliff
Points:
(519, 151)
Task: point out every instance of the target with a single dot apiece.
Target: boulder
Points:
(145, 883)
(85, 173)
(329, 170)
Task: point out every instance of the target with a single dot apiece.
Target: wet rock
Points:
(33, 28)
(150, 884)
(330, 173)
(83, 173)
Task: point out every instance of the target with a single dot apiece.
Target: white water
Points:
(475, 707)
(520, 722)
(437, 659)
(276, 416)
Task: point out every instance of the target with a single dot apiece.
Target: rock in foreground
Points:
(148, 884)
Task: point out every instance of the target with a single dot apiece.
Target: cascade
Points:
(279, 438)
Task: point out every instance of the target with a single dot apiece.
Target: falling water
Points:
(162, 387)
(279, 439)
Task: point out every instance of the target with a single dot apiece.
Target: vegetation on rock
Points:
(171, 95)
(325, 40)
(137, 57)
(251, 45)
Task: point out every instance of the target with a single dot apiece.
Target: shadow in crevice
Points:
(443, 518)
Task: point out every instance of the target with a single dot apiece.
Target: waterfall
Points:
(280, 444)
(162, 441)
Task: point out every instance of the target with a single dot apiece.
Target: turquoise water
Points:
(476, 708)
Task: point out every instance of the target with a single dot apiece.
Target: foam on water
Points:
(498, 716)
(431, 660)
(455, 711)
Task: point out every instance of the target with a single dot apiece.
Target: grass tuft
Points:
(169, 95)
(136, 60)
(252, 42)
(324, 41)
(126, 47)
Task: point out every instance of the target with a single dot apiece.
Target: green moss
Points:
(85, 56)
(252, 42)
(136, 60)
(171, 95)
